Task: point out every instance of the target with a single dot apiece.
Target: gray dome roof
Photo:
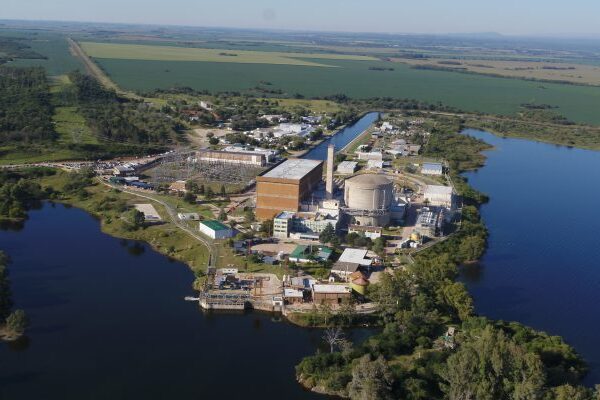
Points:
(368, 181)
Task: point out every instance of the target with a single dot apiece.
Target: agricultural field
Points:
(173, 53)
(469, 92)
(562, 72)
(53, 46)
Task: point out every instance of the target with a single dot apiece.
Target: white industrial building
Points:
(437, 195)
(347, 167)
(289, 129)
(307, 224)
(215, 229)
(432, 169)
(371, 155)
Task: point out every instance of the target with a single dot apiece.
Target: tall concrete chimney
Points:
(329, 177)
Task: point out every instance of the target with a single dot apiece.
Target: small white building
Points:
(215, 229)
(347, 167)
(372, 155)
(375, 164)
(357, 256)
(372, 232)
(438, 195)
(432, 169)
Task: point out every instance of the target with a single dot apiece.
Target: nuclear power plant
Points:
(302, 203)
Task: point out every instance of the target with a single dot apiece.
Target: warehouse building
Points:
(215, 229)
(232, 157)
(285, 186)
(331, 294)
(432, 169)
(442, 196)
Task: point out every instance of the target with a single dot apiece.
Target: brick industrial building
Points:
(285, 186)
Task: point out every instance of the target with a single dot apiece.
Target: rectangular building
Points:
(331, 294)
(437, 195)
(232, 157)
(283, 187)
(215, 229)
(432, 169)
(347, 167)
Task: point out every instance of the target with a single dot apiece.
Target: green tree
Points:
(371, 380)
(136, 218)
(191, 186)
(456, 296)
(222, 215)
(471, 248)
(17, 322)
(189, 197)
(568, 392)
(223, 191)
(201, 189)
(328, 233)
(208, 193)
(379, 246)
(491, 366)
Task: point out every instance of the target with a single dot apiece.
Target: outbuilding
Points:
(432, 169)
(331, 294)
(215, 229)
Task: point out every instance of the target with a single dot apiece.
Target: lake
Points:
(342, 137)
(542, 267)
(108, 321)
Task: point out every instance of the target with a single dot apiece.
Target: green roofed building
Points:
(300, 254)
(215, 229)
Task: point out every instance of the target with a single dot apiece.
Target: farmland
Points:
(561, 72)
(173, 53)
(53, 46)
(469, 92)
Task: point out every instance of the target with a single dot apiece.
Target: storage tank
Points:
(368, 199)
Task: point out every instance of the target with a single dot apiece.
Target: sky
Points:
(511, 17)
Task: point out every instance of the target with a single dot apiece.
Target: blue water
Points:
(108, 321)
(342, 137)
(542, 267)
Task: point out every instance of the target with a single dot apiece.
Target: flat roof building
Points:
(438, 195)
(331, 294)
(432, 169)
(347, 167)
(285, 186)
(215, 229)
(233, 157)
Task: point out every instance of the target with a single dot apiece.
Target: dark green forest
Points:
(25, 107)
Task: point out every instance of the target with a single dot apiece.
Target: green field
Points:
(465, 91)
(173, 53)
(53, 46)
